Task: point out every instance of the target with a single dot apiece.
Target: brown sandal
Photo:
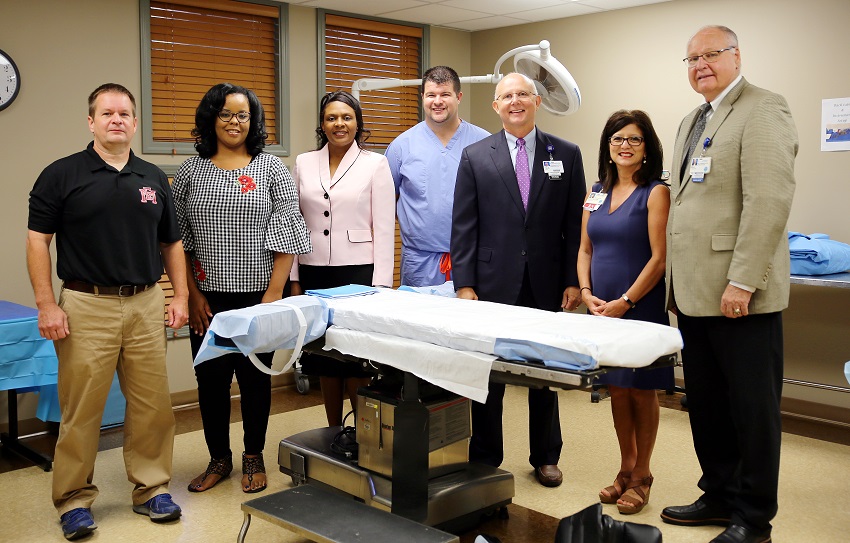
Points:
(221, 467)
(635, 497)
(616, 490)
(250, 467)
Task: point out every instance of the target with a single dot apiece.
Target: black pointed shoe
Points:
(741, 534)
(698, 513)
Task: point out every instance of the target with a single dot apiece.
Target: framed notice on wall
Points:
(835, 125)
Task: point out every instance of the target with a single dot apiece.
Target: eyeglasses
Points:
(617, 141)
(709, 57)
(520, 96)
(226, 116)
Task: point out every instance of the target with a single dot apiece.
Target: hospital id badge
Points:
(594, 201)
(699, 167)
(553, 168)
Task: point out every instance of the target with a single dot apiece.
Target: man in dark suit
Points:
(516, 226)
(728, 281)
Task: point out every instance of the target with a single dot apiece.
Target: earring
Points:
(610, 161)
(644, 160)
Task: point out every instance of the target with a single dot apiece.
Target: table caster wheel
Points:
(302, 382)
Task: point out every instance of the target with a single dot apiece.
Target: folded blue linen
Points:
(346, 291)
(816, 254)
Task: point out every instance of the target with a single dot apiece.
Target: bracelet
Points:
(626, 299)
(583, 288)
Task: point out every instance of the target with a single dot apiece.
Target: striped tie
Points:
(699, 128)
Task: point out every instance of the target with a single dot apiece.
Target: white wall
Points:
(621, 59)
(632, 59)
(70, 54)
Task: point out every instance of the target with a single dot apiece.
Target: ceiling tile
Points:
(502, 7)
(619, 4)
(363, 7)
(485, 23)
(472, 15)
(435, 14)
(556, 12)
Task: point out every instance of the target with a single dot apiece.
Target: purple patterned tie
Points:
(523, 175)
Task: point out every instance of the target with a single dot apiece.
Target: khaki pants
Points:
(109, 332)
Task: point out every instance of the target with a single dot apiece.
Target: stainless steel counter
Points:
(835, 280)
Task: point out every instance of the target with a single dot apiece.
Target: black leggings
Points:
(215, 377)
(318, 277)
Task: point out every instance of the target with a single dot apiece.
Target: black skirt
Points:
(318, 277)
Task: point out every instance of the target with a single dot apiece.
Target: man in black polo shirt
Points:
(115, 226)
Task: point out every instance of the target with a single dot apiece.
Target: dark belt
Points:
(123, 290)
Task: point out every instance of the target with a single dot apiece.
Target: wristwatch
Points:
(626, 298)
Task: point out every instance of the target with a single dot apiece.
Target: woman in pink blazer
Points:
(347, 198)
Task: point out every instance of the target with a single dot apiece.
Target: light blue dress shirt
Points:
(530, 146)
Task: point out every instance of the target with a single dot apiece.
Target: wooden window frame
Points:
(281, 113)
(383, 131)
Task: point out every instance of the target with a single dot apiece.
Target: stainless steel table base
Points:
(454, 500)
(330, 517)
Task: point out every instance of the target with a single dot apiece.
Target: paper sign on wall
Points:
(835, 125)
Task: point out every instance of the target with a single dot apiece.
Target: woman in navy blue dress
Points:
(621, 275)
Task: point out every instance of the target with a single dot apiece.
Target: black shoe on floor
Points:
(741, 534)
(698, 513)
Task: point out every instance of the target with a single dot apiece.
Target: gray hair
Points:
(733, 38)
(525, 77)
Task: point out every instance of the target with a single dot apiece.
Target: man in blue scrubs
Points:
(424, 161)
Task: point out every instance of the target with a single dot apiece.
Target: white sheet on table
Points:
(447, 289)
(462, 372)
(564, 339)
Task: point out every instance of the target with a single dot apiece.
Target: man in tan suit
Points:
(728, 282)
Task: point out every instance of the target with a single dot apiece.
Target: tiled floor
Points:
(524, 524)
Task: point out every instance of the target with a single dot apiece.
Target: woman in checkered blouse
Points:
(241, 225)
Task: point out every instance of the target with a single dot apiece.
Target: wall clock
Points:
(10, 80)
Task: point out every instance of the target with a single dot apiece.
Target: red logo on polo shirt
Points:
(148, 194)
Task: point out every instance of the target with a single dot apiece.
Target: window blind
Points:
(360, 48)
(196, 44)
